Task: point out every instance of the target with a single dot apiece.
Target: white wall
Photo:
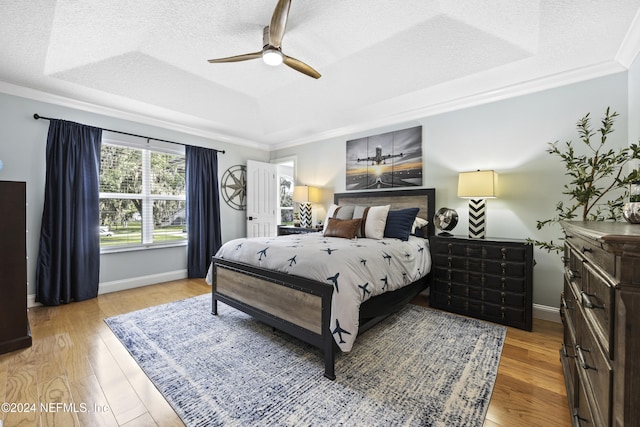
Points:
(634, 101)
(22, 151)
(508, 136)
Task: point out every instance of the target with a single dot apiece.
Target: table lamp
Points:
(477, 187)
(305, 195)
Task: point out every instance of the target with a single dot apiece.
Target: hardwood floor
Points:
(85, 377)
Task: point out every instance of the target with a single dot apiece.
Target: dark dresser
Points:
(600, 311)
(490, 279)
(14, 324)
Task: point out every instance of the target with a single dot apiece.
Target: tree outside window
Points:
(286, 200)
(142, 196)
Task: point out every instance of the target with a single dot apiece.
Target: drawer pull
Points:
(585, 249)
(578, 418)
(586, 301)
(574, 274)
(565, 353)
(583, 362)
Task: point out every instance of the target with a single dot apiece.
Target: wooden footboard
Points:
(295, 305)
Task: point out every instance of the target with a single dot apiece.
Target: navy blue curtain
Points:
(203, 209)
(69, 255)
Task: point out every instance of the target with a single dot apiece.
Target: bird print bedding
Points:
(358, 269)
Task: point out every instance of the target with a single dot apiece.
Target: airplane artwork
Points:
(379, 158)
(392, 159)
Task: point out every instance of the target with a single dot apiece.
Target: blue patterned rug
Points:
(420, 367)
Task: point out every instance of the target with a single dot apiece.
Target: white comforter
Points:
(358, 269)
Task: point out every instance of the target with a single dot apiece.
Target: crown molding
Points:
(38, 95)
(485, 97)
(384, 118)
(630, 46)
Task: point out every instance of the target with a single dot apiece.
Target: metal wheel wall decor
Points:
(234, 187)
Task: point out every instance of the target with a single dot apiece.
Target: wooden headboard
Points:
(422, 198)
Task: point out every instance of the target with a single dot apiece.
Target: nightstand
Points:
(489, 279)
(284, 230)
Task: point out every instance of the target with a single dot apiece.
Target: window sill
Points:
(134, 248)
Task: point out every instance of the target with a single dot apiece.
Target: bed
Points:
(301, 306)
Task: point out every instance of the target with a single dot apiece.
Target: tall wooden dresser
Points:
(14, 324)
(490, 279)
(600, 310)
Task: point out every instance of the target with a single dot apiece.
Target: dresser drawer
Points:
(450, 261)
(597, 299)
(501, 313)
(504, 268)
(594, 368)
(583, 415)
(506, 253)
(573, 265)
(509, 284)
(444, 246)
(592, 252)
(503, 298)
(568, 353)
(451, 275)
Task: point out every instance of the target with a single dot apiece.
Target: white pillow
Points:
(418, 223)
(330, 212)
(374, 219)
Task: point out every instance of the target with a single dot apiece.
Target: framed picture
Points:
(392, 159)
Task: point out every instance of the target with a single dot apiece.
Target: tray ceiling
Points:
(381, 62)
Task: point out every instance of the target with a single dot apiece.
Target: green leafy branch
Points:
(593, 177)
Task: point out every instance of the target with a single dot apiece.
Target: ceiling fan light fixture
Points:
(272, 57)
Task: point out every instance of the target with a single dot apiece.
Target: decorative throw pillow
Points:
(373, 222)
(339, 212)
(419, 223)
(345, 228)
(399, 223)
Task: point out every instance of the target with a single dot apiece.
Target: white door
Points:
(262, 193)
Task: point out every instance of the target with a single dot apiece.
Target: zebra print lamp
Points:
(305, 195)
(477, 187)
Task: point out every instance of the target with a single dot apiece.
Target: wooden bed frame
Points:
(302, 307)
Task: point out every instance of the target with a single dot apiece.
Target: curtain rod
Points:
(37, 116)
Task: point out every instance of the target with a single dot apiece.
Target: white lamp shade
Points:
(306, 194)
(478, 184)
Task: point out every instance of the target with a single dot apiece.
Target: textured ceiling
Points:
(381, 61)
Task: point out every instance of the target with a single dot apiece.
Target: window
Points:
(286, 200)
(142, 196)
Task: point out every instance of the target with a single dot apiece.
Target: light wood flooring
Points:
(75, 358)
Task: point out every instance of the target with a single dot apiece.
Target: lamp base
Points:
(305, 215)
(477, 218)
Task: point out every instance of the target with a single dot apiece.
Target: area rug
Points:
(420, 367)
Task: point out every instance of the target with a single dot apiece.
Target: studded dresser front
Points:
(490, 279)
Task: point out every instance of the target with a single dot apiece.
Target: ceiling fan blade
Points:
(238, 58)
(300, 66)
(279, 22)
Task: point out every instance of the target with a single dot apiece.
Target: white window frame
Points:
(146, 197)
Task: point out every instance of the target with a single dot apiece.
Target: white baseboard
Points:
(121, 285)
(545, 312)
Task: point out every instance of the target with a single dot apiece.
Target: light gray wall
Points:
(22, 151)
(634, 101)
(508, 136)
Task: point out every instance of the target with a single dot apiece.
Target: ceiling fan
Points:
(271, 52)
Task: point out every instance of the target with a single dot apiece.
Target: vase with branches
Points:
(599, 180)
